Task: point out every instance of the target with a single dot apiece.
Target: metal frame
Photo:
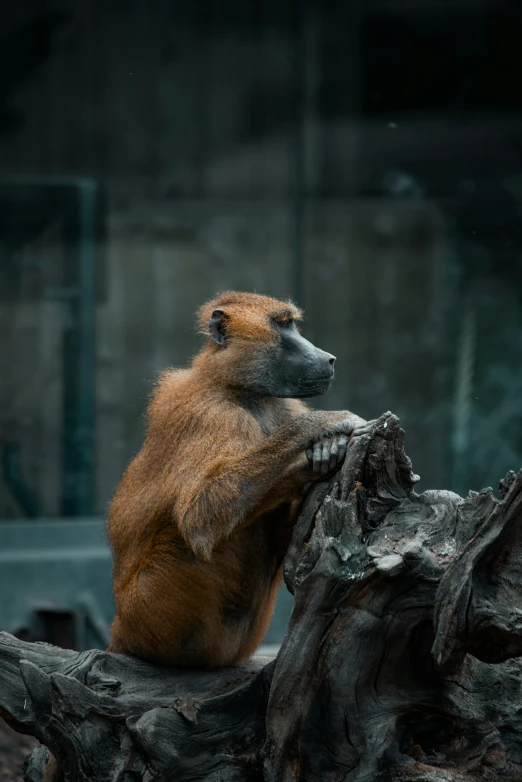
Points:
(77, 202)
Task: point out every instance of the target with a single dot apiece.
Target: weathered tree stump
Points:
(399, 662)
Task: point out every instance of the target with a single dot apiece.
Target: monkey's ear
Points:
(217, 326)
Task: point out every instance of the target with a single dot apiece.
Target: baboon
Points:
(203, 516)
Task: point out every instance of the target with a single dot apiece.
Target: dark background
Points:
(364, 158)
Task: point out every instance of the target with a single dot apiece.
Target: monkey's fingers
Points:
(334, 454)
(317, 457)
(325, 456)
(349, 425)
(338, 451)
(362, 429)
(342, 448)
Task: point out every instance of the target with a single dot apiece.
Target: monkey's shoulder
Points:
(171, 391)
(171, 379)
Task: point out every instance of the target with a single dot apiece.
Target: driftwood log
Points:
(400, 662)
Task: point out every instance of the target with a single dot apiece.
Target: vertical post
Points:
(87, 367)
(79, 360)
(299, 153)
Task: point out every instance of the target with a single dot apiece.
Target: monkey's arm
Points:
(236, 487)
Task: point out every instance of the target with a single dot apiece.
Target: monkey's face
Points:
(262, 352)
(296, 368)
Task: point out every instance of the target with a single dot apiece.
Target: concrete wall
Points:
(185, 115)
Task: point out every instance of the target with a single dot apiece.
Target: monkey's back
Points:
(173, 606)
(178, 610)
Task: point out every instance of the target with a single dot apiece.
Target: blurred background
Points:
(363, 158)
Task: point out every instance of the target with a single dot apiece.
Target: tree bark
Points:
(400, 662)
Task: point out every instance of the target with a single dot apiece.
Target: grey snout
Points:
(326, 363)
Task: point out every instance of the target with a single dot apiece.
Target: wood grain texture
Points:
(400, 662)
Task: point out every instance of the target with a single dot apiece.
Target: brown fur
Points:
(203, 516)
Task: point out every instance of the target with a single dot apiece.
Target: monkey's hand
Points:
(327, 454)
(347, 423)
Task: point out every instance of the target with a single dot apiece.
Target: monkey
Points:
(203, 516)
